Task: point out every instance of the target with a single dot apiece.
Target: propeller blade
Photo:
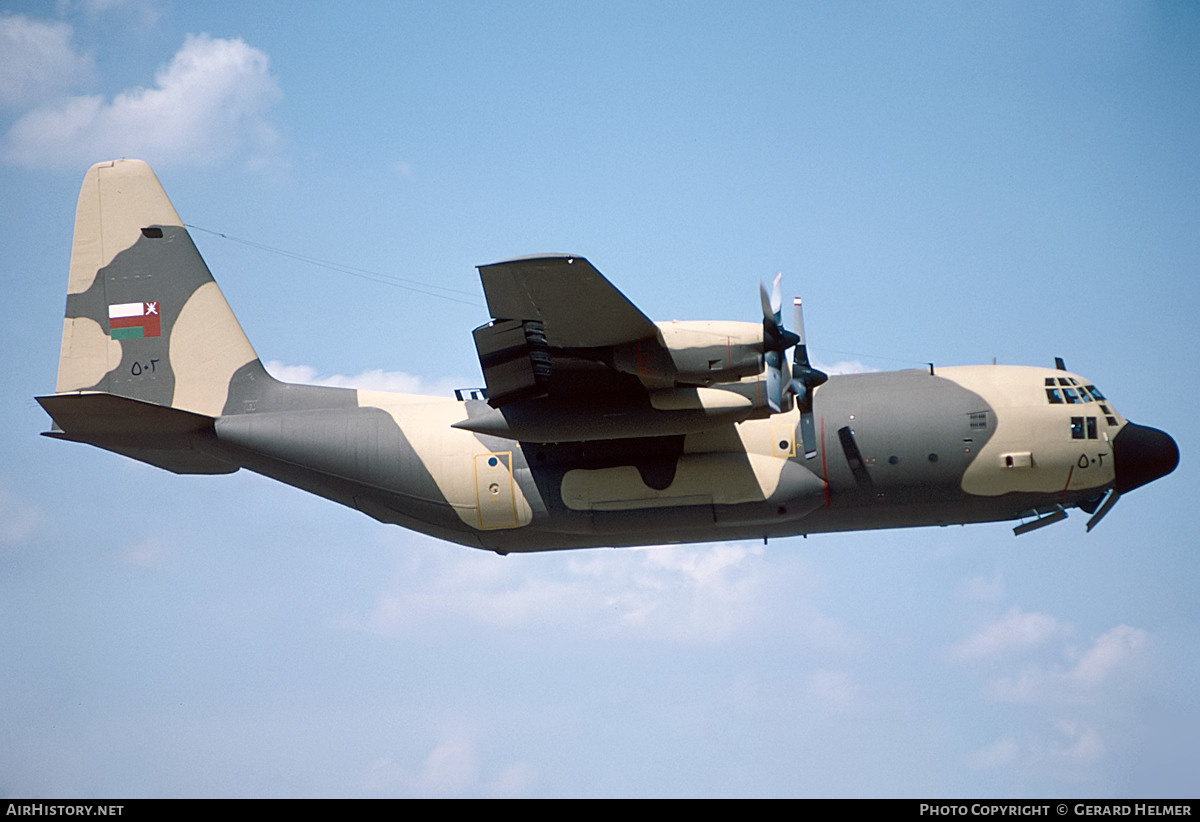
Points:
(776, 341)
(800, 364)
(805, 380)
(798, 321)
(772, 306)
(766, 302)
(773, 359)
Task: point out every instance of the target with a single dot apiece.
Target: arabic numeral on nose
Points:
(137, 368)
(1083, 461)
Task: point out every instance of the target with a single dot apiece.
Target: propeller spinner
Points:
(805, 379)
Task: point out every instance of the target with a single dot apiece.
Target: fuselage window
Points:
(1053, 396)
(1072, 397)
(1083, 428)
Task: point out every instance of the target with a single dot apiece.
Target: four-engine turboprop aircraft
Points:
(597, 426)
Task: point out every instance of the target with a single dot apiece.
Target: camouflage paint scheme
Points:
(604, 429)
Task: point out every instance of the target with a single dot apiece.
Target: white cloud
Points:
(692, 594)
(18, 519)
(37, 60)
(1086, 674)
(844, 367)
(515, 781)
(1077, 743)
(451, 769)
(375, 379)
(144, 12)
(150, 552)
(1067, 744)
(207, 105)
(836, 690)
(1108, 653)
(701, 593)
(481, 592)
(982, 589)
(1017, 630)
(1003, 752)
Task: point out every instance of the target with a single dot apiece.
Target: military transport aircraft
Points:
(597, 426)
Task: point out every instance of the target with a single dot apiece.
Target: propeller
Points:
(804, 379)
(776, 341)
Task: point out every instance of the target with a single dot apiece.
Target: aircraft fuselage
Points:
(895, 449)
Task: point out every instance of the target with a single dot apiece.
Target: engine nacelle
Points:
(694, 353)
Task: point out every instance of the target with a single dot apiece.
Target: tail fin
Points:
(144, 318)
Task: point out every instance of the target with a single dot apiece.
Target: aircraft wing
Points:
(575, 304)
(567, 358)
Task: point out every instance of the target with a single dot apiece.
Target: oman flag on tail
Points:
(134, 320)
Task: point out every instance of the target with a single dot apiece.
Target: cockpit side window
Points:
(1084, 428)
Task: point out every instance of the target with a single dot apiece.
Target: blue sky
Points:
(942, 182)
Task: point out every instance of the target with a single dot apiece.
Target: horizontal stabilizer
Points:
(165, 437)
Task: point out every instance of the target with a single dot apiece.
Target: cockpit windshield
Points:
(1060, 390)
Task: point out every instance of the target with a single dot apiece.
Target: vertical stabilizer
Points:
(144, 318)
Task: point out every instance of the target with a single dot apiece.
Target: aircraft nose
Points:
(1142, 454)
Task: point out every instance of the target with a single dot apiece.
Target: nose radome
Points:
(1142, 454)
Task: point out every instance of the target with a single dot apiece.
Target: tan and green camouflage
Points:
(599, 427)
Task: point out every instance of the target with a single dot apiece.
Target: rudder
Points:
(144, 317)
